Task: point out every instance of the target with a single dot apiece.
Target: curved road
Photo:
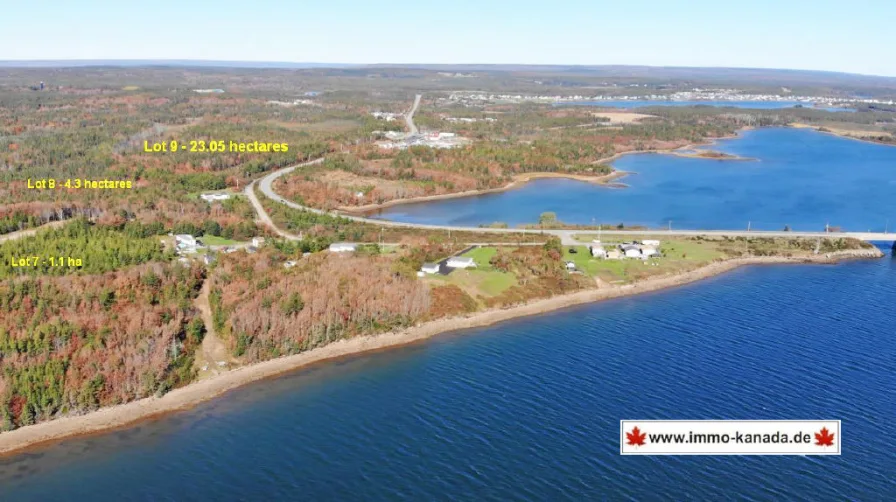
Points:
(265, 184)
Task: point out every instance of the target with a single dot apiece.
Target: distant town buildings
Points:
(433, 139)
(208, 91)
(387, 116)
(295, 102)
(468, 120)
(455, 75)
(473, 98)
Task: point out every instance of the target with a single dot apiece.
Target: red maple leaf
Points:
(824, 438)
(636, 437)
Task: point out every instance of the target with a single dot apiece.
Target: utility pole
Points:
(670, 225)
(749, 224)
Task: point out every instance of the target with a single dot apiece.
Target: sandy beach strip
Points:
(123, 415)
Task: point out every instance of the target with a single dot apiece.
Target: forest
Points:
(99, 248)
(264, 311)
(74, 343)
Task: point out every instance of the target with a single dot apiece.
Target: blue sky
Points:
(857, 36)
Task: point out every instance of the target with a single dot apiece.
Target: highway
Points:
(265, 185)
(409, 118)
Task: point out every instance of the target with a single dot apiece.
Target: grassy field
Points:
(482, 255)
(213, 240)
(678, 255)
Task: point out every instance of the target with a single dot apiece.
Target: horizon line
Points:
(36, 63)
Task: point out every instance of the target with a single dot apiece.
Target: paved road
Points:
(566, 236)
(409, 118)
(263, 215)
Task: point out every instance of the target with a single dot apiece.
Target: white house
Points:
(212, 197)
(258, 241)
(651, 242)
(186, 243)
(648, 251)
(343, 247)
(185, 240)
(460, 262)
(598, 252)
(630, 250)
(614, 254)
(430, 268)
(570, 265)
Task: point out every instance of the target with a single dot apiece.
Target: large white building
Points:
(212, 197)
(343, 247)
(430, 268)
(460, 262)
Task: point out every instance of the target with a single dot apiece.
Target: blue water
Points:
(530, 409)
(758, 105)
(802, 178)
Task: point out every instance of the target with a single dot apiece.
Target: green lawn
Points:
(583, 260)
(678, 255)
(214, 240)
(700, 251)
(494, 282)
(482, 255)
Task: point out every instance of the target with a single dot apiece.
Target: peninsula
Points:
(197, 265)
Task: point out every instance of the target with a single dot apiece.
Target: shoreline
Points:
(519, 180)
(837, 133)
(125, 415)
(606, 180)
